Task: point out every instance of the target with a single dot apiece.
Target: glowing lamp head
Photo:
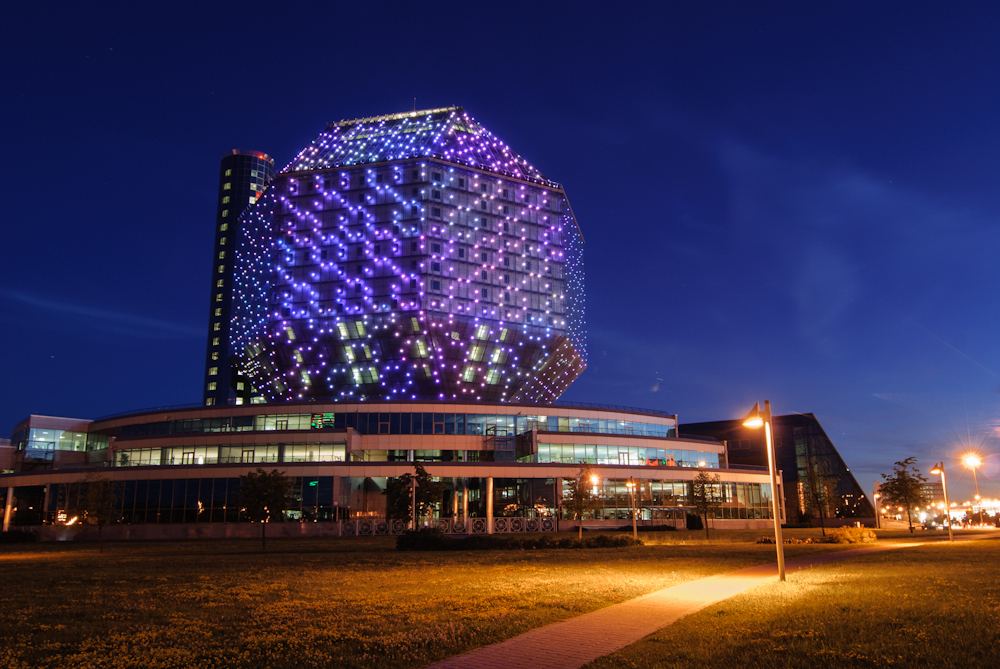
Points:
(594, 480)
(972, 460)
(756, 421)
(938, 469)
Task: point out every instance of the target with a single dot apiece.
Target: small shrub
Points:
(649, 528)
(433, 539)
(694, 522)
(851, 535)
(18, 537)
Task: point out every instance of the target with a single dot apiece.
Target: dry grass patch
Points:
(314, 602)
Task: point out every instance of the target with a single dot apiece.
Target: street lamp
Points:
(939, 469)
(631, 490)
(878, 521)
(758, 418)
(972, 461)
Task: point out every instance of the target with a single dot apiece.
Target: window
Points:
(222, 254)
(215, 328)
(436, 194)
(222, 241)
(436, 266)
(223, 227)
(483, 275)
(484, 256)
(461, 182)
(215, 355)
(225, 212)
(211, 385)
(239, 385)
(213, 371)
(436, 212)
(222, 268)
(482, 205)
(485, 293)
(506, 278)
(227, 186)
(218, 284)
(413, 247)
(435, 285)
(482, 187)
(461, 253)
(218, 312)
(218, 297)
(225, 200)
(215, 340)
(210, 401)
(436, 176)
(436, 248)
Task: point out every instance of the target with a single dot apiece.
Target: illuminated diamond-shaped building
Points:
(409, 256)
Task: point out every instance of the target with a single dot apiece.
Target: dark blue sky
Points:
(781, 201)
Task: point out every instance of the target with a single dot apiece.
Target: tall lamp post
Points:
(878, 521)
(631, 491)
(758, 418)
(939, 469)
(972, 461)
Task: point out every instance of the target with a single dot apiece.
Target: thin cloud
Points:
(106, 320)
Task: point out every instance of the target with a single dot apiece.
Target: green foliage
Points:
(581, 498)
(905, 487)
(263, 496)
(706, 495)
(433, 539)
(398, 495)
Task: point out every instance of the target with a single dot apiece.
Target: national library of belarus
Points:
(407, 290)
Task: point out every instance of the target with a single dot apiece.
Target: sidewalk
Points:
(570, 644)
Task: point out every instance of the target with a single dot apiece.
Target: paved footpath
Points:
(572, 643)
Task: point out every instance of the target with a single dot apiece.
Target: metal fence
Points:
(376, 527)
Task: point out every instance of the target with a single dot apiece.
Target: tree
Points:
(98, 503)
(819, 491)
(905, 487)
(706, 495)
(263, 496)
(582, 497)
(398, 494)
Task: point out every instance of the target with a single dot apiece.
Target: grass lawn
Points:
(928, 606)
(320, 602)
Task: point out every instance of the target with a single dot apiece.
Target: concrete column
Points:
(489, 505)
(8, 508)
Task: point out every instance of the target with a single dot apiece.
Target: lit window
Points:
(222, 241)
(215, 355)
(225, 212)
(215, 328)
(225, 199)
(215, 340)
(227, 186)
(212, 385)
(210, 401)
(239, 385)
(223, 227)
(229, 173)
(222, 268)
(213, 371)
(218, 284)
(218, 297)
(218, 312)
(222, 254)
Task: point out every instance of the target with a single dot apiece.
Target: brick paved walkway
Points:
(570, 644)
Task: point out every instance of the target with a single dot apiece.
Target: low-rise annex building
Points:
(504, 466)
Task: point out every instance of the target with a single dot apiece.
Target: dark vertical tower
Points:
(242, 176)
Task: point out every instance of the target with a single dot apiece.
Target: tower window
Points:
(227, 186)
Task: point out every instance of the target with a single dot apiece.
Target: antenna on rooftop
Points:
(414, 104)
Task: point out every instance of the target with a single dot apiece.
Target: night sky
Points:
(788, 201)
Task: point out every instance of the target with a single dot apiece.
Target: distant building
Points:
(242, 178)
(801, 446)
